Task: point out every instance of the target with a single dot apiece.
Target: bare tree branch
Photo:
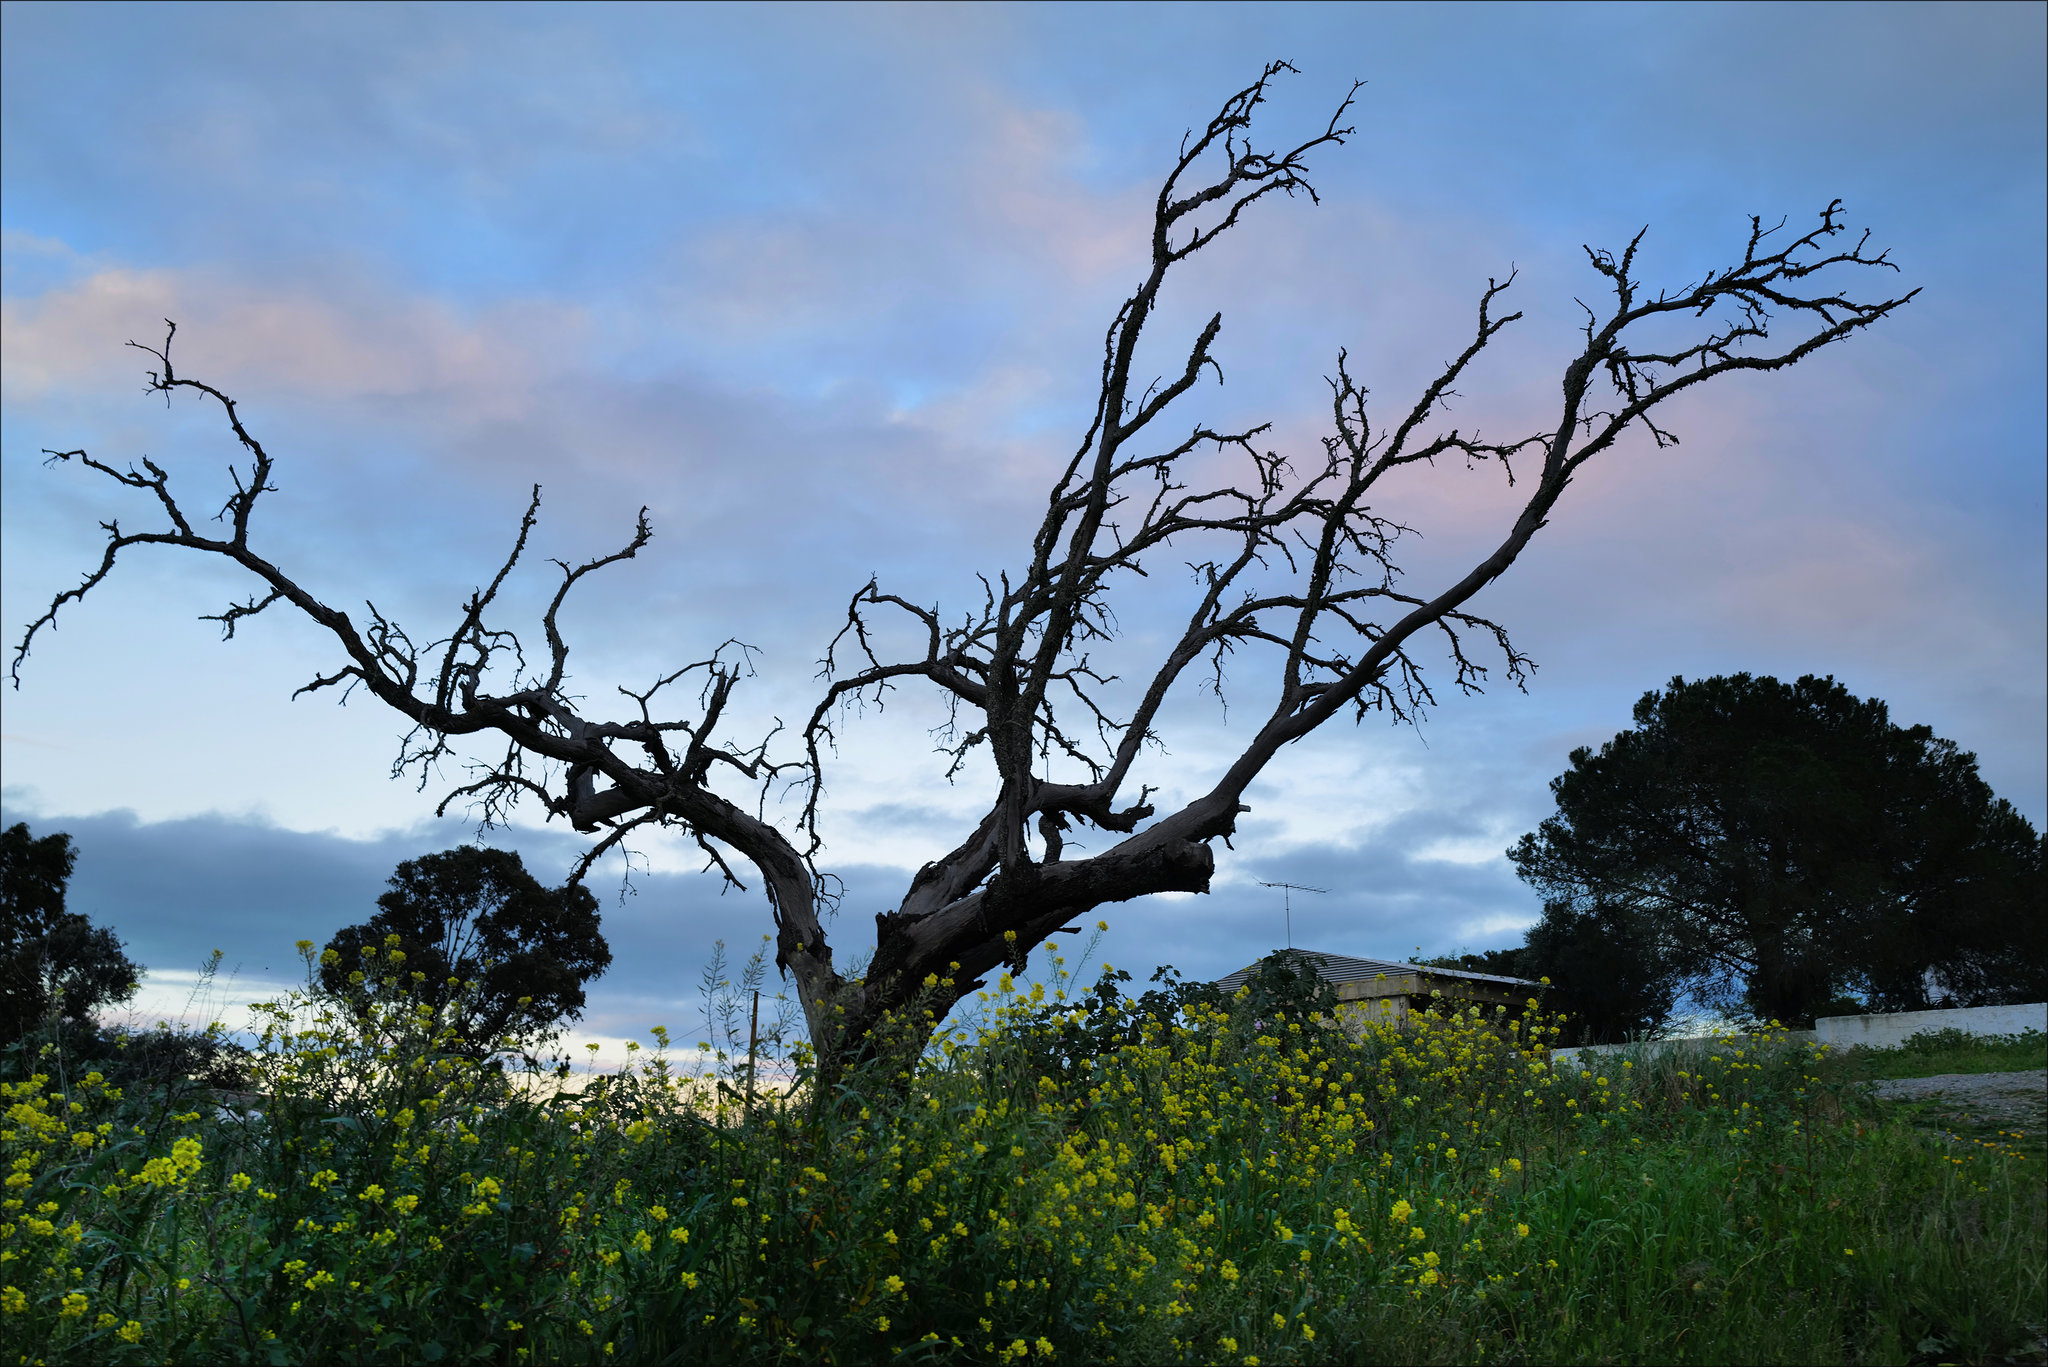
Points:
(1294, 582)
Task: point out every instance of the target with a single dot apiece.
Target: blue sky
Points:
(822, 286)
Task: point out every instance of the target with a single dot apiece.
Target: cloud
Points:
(349, 342)
(174, 891)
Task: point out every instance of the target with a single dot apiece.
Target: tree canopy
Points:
(472, 915)
(1295, 581)
(1770, 847)
(1600, 973)
(51, 959)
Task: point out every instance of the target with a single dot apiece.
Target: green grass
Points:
(1212, 1189)
(1959, 1125)
(1947, 1052)
(1934, 1053)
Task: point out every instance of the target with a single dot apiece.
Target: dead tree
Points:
(1293, 579)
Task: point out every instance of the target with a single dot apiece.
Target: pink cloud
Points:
(349, 341)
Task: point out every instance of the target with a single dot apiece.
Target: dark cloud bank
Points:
(176, 890)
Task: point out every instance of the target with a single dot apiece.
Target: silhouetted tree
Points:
(471, 915)
(1610, 976)
(1770, 846)
(1969, 925)
(1294, 578)
(1601, 971)
(52, 961)
(1502, 963)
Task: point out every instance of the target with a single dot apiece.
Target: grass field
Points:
(1191, 1187)
(1946, 1051)
(1950, 1052)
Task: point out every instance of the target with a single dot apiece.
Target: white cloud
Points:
(1470, 851)
(188, 1000)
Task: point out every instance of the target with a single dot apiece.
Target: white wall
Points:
(1888, 1032)
(1586, 1056)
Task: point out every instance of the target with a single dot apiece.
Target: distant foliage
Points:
(1770, 847)
(56, 966)
(471, 915)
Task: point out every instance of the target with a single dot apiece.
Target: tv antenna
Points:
(1287, 891)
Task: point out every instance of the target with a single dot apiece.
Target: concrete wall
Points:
(1588, 1056)
(1837, 1032)
(1888, 1032)
(1356, 1015)
(1394, 998)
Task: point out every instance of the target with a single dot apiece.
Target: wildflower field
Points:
(1080, 1178)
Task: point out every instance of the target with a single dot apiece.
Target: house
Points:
(1385, 990)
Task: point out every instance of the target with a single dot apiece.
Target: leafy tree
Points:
(1970, 926)
(471, 915)
(1064, 1038)
(1770, 846)
(51, 960)
(1285, 986)
(1296, 579)
(1609, 973)
(1502, 963)
(1603, 973)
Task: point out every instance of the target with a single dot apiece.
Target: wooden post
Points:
(753, 1034)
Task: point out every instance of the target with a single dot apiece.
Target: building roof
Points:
(1343, 968)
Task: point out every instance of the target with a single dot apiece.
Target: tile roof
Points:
(1343, 968)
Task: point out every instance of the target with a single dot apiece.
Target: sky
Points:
(823, 288)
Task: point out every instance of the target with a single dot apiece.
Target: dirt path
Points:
(2006, 1100)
